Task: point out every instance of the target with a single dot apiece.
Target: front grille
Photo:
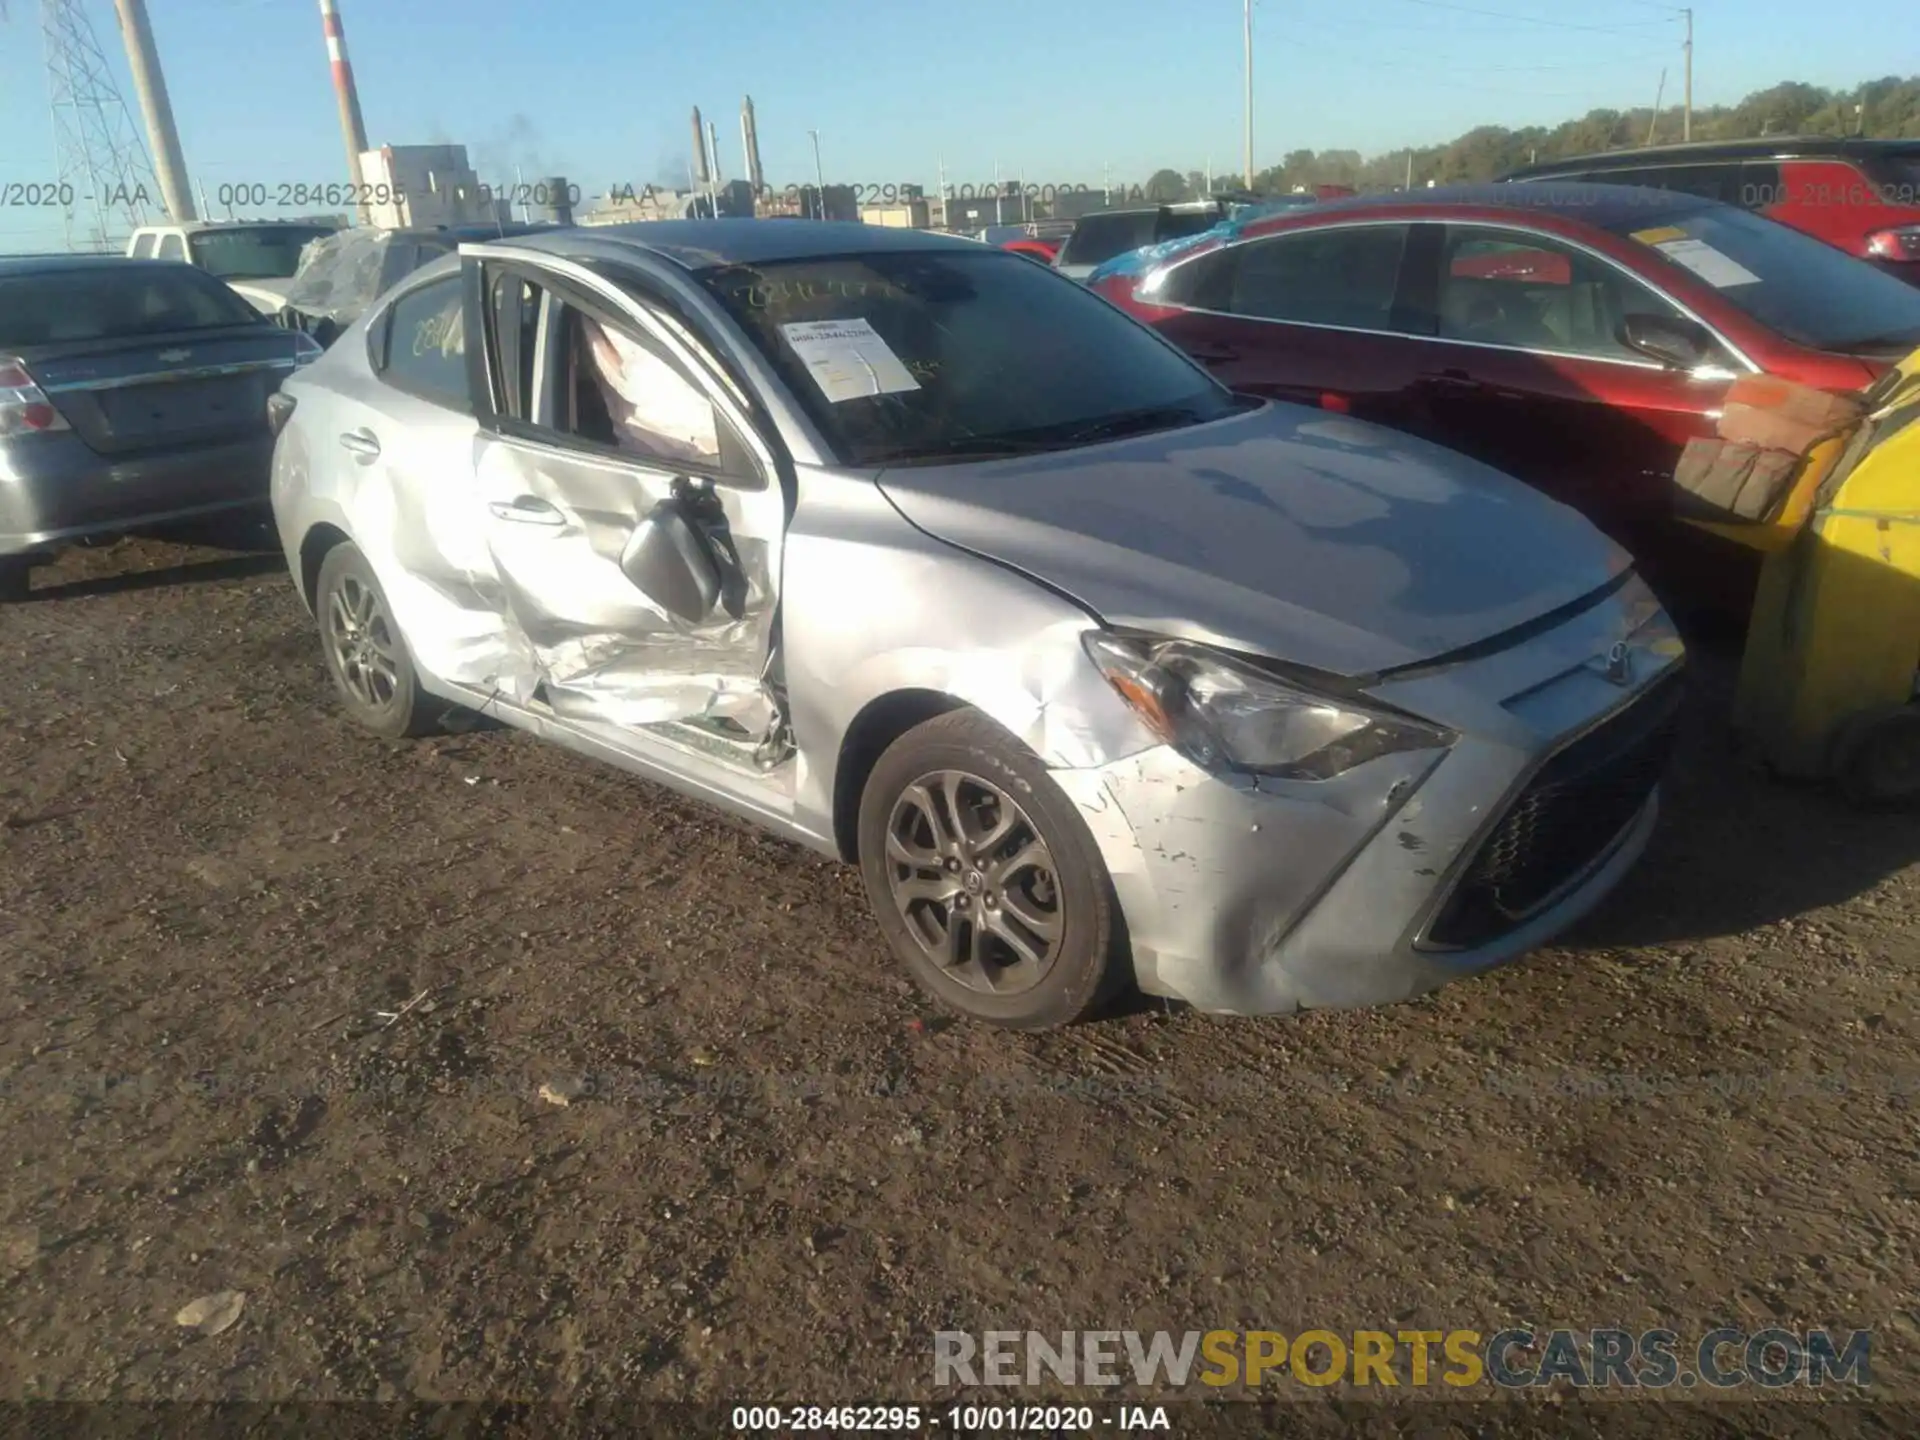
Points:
(1566, 818)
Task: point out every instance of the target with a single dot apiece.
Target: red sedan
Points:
(1575, 336)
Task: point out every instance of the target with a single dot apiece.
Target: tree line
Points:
(1887, 108)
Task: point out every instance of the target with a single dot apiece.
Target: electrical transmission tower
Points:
(106, 178)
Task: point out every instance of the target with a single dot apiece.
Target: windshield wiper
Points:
(1048, 438)
(1134, 422)
(970, 447)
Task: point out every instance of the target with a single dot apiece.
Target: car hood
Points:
(1297, 534)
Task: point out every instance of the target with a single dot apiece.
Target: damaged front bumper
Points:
(1258, 896)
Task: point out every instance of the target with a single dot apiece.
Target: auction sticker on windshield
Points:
(847, 359)
(1719, 270)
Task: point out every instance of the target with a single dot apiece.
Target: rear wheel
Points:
(984, 878)
(365, 652)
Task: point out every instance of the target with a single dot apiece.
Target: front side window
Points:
(620, 390)
(1526, 291)
(577, 373)
(143, 245)
(906, 357)
(1344, 277)
(425, 348)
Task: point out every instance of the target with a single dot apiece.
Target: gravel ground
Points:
(777, 1172)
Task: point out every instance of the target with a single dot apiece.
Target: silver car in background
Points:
(921, 555)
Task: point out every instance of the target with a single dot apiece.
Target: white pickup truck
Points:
(255, 257)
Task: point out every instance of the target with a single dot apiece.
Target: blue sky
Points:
(1055, 90)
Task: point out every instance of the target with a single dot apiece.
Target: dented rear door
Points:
(562, 485)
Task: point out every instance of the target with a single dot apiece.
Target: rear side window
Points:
(1717, 181)
(172, 247)
(1342, 277)
(143, 246)
(425, 343)
(1098, 238)
(1896, 177)
(1711, 182)
(112, 301)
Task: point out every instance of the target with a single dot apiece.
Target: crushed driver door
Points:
(603, 408)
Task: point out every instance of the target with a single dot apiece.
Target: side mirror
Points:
(670, 562)
(1676, 342)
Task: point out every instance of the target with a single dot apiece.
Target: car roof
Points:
(1781, 147)
(200, 227)
(709, 244)
(511, 229)
(1602, 205)
(55, 264)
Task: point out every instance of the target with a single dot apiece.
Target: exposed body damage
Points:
(1259, 895)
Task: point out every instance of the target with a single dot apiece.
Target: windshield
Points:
(269, 252)
(111, 302)
(918, 356)
(1795, 285)
(342, 274)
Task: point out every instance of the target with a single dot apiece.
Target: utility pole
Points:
(1249, 37)
(1409, 170)
(1653, 125)
(1686, 125)
(353, 130)
(151, 87)
(819, 176)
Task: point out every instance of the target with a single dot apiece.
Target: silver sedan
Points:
(918, 554)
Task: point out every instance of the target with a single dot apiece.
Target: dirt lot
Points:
(783, 1173)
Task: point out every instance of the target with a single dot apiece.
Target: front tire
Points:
(984, 879)
(365, 652)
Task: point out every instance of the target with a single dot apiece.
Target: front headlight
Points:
(1225, 715)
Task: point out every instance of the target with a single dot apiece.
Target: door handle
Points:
(363, 445)
(1452, 380)
(526, 510)
(1214, 354)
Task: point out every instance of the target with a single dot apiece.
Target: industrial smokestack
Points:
(702, 176)
(750, 142)
(151, 85)
(352, 128)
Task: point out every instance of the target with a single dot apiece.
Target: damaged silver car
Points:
(921, 555)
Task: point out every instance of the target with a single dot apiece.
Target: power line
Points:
(1451, 63)
(1338, 57)
(1628, 28)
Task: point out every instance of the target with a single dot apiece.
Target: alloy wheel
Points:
(975, 882)
(365, 651)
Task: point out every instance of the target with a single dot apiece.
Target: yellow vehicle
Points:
(1831, 671)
